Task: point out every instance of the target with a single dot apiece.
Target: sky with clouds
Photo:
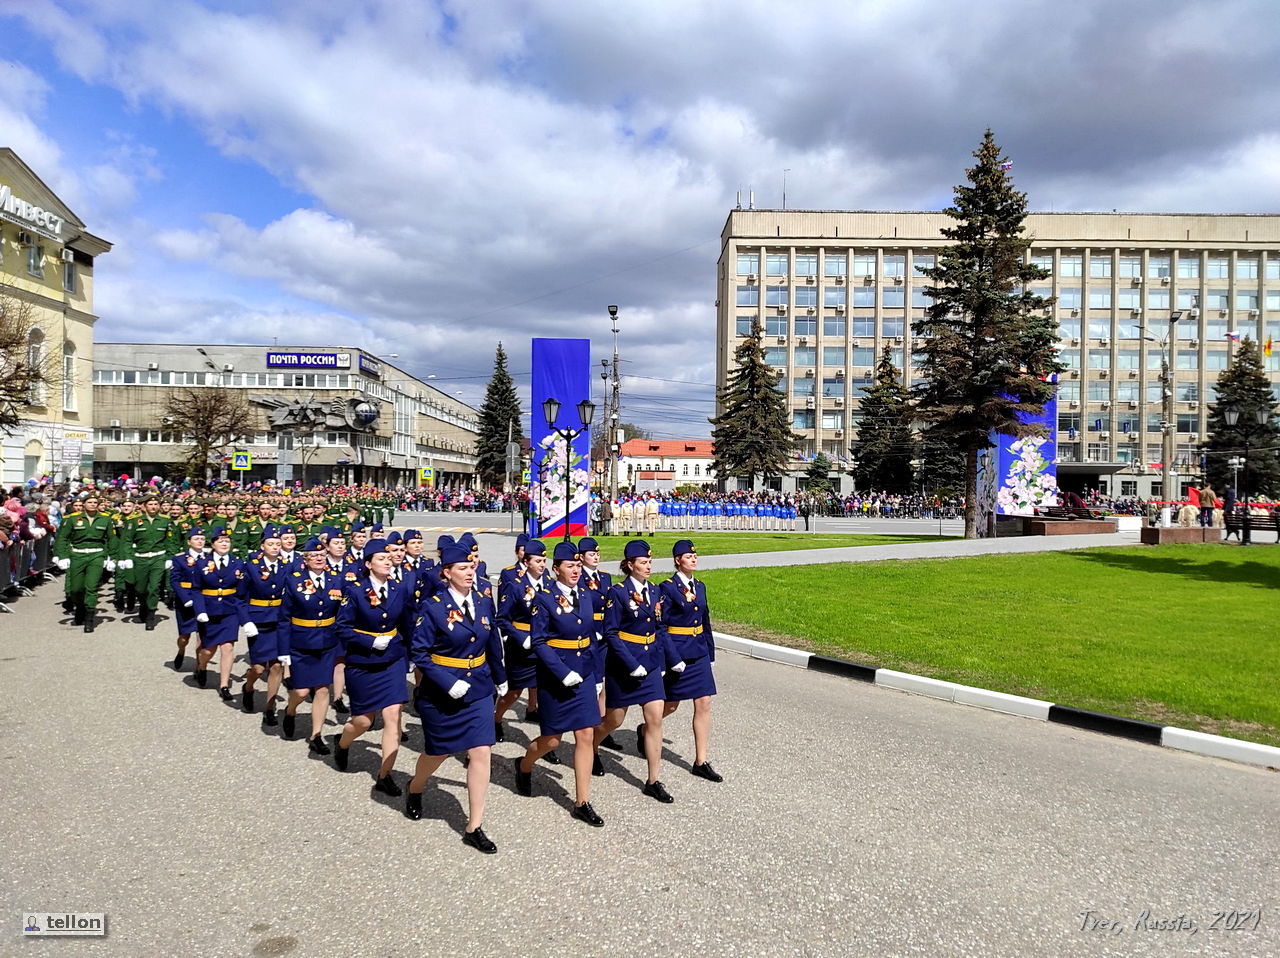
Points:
(428, 178)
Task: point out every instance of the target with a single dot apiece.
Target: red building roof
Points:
(668, 448)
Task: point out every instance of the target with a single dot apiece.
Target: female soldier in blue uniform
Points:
(515, 600)
(312, 597)
(220, 595)
(266, 584)
(687, 622)
(376, 615)
(457, 647)
(563, 633)
(637, 656)
(597, 583)
(182, 573)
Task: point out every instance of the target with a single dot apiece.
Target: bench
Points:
(1063, 512)
(1257, 523)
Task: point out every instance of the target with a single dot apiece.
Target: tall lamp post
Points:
(1167, 420)
(550, 411)
(1232, 416)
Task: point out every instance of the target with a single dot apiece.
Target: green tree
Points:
(1244, 386)
(752, 435)
(985, 343)
(941, 468)
(885, 445)
(818, 475)
(500, 421)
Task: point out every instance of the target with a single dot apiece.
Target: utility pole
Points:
(613, 446)
(1168, 422)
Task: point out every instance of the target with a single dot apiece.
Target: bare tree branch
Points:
(210, 421)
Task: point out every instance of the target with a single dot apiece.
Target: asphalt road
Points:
(854, 821)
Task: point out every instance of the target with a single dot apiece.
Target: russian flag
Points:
(1007, 165)
(1233, 335)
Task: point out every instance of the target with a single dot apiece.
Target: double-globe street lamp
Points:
(1232, 417)
(550, 411)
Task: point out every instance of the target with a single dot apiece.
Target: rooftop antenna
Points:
(751, 199)
(784, 187)
(738, 204)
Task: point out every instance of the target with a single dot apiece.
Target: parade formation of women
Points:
(353, 611)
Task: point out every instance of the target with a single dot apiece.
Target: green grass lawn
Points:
(732, 543)
(1181, 635)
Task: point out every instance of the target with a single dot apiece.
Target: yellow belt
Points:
(267, 602)
(599, 616)
(376, 635)
(637, 639)
(568, 643)
(314, 623)
(684, 629)
(218, 592)
(184, 585)
(522, 626)
(453, 663)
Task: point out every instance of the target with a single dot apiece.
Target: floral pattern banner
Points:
(562, 371)
(1028, 477)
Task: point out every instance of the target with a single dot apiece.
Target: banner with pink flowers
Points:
(561, 371)
(1027, 474)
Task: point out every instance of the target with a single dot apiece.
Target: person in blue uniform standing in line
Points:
(182, 573)
(637, 656)
(221, 594)
(515, 601)
(597, 582)
(687, 621)
(265, 585)
(414, 560)
(564, 633)
(376, 614)
(458, 649)
(513, 570)
(312, 598)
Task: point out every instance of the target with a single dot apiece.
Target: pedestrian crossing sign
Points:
(427, 475)
(524, 477)
(241, 461)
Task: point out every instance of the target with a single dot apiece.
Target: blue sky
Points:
(427, 179)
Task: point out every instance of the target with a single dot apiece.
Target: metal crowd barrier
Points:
(24, 565)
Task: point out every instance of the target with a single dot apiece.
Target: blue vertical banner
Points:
(562, 371)
(1028, 472)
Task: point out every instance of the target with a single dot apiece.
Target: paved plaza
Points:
(853, 821)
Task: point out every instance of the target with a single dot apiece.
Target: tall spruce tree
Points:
(752, 435)
(500, 410)
(941, 470)
(986, 346)
(1244, 386)
(885, 445)
(818, 475)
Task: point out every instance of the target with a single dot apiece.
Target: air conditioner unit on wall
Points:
(115, 424)
(782, 310)
(839, 280)
(68, 255)
(153, 366)
(24, 238)
(1104, 435)
(839, 433)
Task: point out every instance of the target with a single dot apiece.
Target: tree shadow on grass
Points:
(1258, 575)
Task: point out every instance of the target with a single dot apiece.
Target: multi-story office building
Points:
(322, 414)
(835, 289)
(46, 282)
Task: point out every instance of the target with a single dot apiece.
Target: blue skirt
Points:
(694, 682)
(562, 709)
(265, 646)
(185, 619)
(522, 665)
(621, 690)
(311, 670)
(218, 631)
(455, 726)
(375, 687)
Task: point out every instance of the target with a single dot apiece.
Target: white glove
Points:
(202, 617)
(125, 564)
(527, 644)
(168, 564)
(382, 641)
(501, 689)
(572, 679)
(63, 564)
(599, 687)
(458, 689)
(285, 659)
(678, 667)
(250, 630)
(639, 672)
(189, 603)
(109, 565)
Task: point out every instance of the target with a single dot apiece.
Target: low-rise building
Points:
(665, 463)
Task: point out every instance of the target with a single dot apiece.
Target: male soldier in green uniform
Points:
(247, 536)
(126, 593)
(147, 542)
(84, 546)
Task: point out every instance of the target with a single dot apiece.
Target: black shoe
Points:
(585, 813)
(178, 659)
(499, 733)
(341, 756)
(524, 780)
(413, 805)
(246, 699)
(387, 787)
(597, 767)
(290, 722)
(551, 758)
(68, 606)
(224, 693)
(269, 719)
(531, 715)
(656, 790)
(118, 604)
(640, 740)
(340, 707)
(316, 746)
(90, 622)
(704, 770)
(611, 742)
(479, 840)
(202, 678)
(404, 736)
(78, 617)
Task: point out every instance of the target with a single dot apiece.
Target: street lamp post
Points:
(551, 410)
(1167, 420)
(1232, 417)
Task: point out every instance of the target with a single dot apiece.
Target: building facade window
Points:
(69, 377)
(748, 264)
